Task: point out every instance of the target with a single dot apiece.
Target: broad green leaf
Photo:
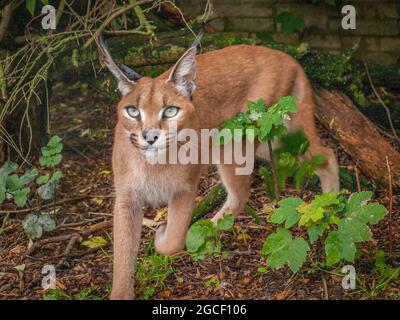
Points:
(29, 176)
(43, 179)
(339, 246)
(314, 211)
(226, 222)
(281, 248)
(94, 242)
(8, 168)
(356, 200)
(371, 213)
(56, 176)
(14, 183)
(315, 231)
(30, 5)
(21, 196)
(354, 228)
(287, 212)
(196, 237)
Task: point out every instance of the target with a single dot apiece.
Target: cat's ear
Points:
(125, 76)
(183, 74)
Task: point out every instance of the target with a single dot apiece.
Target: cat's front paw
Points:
(164, 245)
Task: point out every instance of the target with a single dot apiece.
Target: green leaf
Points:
(356, 229)
(21, 196)
(50, 161)
(196, 237)
(32, 228)
(281, 248)
(339, 246)
(315, 231)
(29, 176)
(30, 5)
(8, 168)
(14, 183)
(45, 2)
(372, 213)
(43, 179)
(47, 222)
(47, 190)
(2, 193)
(56, 176)
(356, 200)
(290, 22)
(226, 222)
(314, 211)
(287, 212)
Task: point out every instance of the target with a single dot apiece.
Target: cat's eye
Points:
(133, 112)
(170, 112)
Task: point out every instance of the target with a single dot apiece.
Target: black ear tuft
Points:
(131, 74)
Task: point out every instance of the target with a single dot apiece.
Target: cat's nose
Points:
(151, 136)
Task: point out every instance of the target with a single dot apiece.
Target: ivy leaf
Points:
(14, 183)
(290, 22)
(8, 168)
(47, 190)
(287, 212)
(281, 248)
(43, 179)
(21, 196)
(226, 222)
(29, 176)
(47, 222)
(32, 228)
(339, 246)
(356, 200)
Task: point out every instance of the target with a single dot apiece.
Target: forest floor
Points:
(85, 122)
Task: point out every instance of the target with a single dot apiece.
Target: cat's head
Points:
(152, 111)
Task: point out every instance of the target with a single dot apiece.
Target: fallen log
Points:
(358, 136)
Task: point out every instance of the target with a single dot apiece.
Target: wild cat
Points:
(199, 92)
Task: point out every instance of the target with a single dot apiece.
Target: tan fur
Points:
(226, 79)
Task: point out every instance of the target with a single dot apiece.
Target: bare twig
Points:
(357, 173)
(84, 234)
(49, 205)
(390, 206)
(111, 18)
(382, 103)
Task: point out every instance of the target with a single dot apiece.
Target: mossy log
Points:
(212, 200)
(358, 137)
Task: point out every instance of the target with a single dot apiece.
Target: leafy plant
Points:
(31, 5)
(288, 164)
(151, 273)
(338, 222)
(290, 22)
(18, 188)
(267, 124)
(34, 225)
(85, 294)
(202, 238)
